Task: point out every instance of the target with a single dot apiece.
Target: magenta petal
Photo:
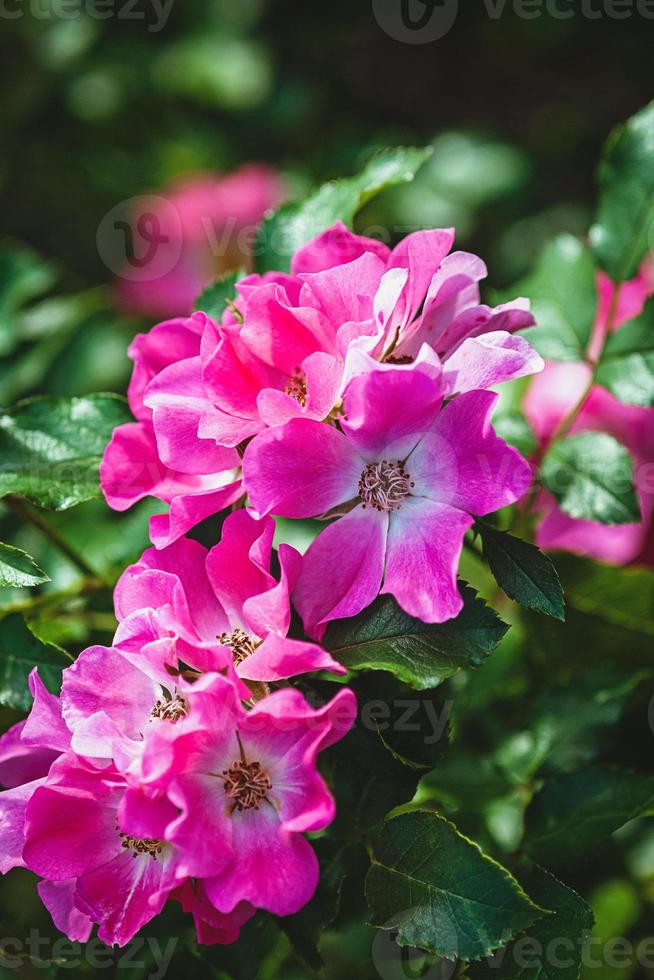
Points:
(425, 539)
(187, 510)
(131, 469)
(275, 870)
(335, 246)
(57, 896)
(211, 925)
(178, 402)
(167, 343)
(13, 807)
(124, 895)
(20, 763)
(279, 658)
(238, 566)
(342, 570)
(270, 611)
(463, 464)
(281, 335)
(45, 727)
(300, 469)
(70, 824)
(388, 410)
(346, 292)
(481, 362)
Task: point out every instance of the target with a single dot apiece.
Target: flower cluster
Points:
(179, 763)
(356, 386)
(167, 768)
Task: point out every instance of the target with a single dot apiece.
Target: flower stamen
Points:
(242, 645)
(385, 485)
(247, 784)
(141, 845)
(297, 388)
(170, 708)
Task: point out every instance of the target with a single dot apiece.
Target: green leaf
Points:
(51, 447)
(591, 476)
(440, 892)
(627, 364)
(368, 782)
(621, 235)
(18, 570)
(23, 275)
(522, 571)
(540, 953)
(563, 293)
(294, 224)
(384, 637)
(570, 725)
(573, 812)
(20, 652)
(215, 298)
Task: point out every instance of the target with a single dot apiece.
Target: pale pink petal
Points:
(421, 253)
(481, 362)
(101, 680)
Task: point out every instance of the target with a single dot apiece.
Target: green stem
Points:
(28, 514)
(82, 587)
(569, 420)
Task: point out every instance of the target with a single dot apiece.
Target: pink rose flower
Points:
(248, 778)
(554, 394)
(406, 472)
(207, 222)
(182, 608)
(286, 349)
